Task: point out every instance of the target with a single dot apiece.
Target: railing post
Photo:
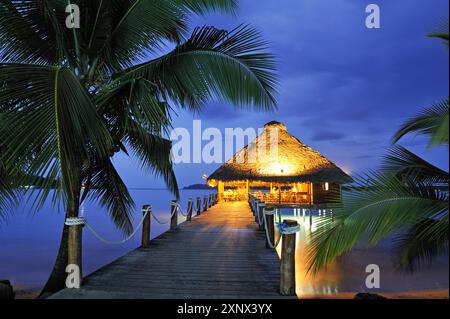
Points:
(189, 209)
(260, 216)
(310, 217)
(287, 268)
(270, 223)
(205, 203)
(146, 225)
(174, 213)
(199, 206)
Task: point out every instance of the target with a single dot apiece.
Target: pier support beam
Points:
(287, 268)
(146, 226)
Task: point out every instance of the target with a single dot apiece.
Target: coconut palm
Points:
(408, 200)
(71, 98)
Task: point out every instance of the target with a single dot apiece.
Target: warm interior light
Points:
(327, 186)
(277, 168)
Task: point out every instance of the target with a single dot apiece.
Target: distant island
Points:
(198, 186)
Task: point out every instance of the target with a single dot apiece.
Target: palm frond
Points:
(50, 126)
(424, 241)
(26, 33)
(376, 207)
(203, 7)
(441, 33)
(108, 189)
(9, 193)
(214, 64)
(153, 152)
(401, 162)
(433, 122)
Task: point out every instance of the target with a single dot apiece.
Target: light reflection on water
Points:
(347, 274)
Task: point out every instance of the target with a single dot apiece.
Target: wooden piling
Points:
(260, 216)
(146, 226)
(174, 213)
(287, 268)
(270, 223)
(205, 203)
(199, 206)
(190, 209)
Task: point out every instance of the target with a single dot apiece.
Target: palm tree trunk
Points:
(57, 278)
(58, 275)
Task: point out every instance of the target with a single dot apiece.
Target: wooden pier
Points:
(219, 254)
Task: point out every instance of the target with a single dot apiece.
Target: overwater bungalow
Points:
(279, 169)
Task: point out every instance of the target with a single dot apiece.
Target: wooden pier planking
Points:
(220, 254)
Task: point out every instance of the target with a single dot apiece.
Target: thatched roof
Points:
(294, 161)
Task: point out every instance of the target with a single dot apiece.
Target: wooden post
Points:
(74, 247)
(270, 226)
(189, 210)
(260, 216)
(174, 213)
(310, 218)
(199, 206)
(287, 268)
(146, 225)
(205, 203)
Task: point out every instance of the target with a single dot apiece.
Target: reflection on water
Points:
(347, 274)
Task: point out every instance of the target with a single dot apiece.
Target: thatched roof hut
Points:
(278, 157)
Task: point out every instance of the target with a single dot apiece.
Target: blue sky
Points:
(344, 89)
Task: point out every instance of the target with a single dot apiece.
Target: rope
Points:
(284, 229)
(83, 221)
(181, 211)
(167, 221)
(75, 221)
(266, 231)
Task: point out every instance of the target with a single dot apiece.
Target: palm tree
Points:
(408, 199)
(70, 99)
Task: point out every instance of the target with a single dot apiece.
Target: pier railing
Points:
(268, 216)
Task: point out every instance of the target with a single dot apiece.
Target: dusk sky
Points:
(344, 89)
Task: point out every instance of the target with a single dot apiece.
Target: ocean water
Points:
(29, 244)
(29, 240)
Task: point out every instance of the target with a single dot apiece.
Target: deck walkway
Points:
(220, 254)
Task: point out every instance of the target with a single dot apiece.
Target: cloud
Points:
(328, 136)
